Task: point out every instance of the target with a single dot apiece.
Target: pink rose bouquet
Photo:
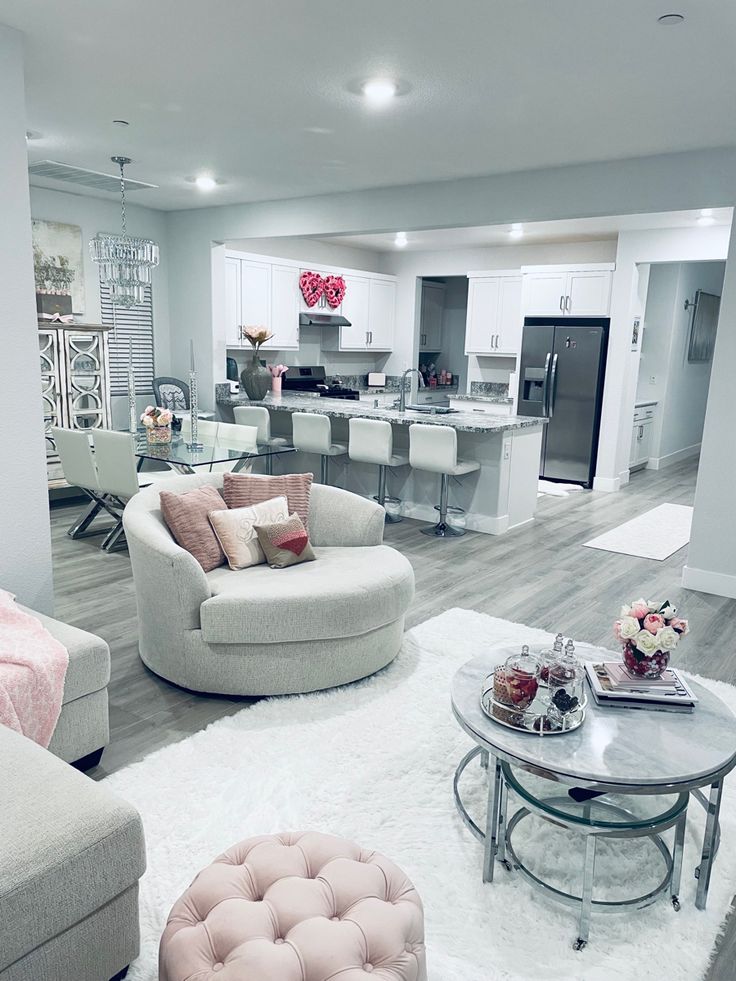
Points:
(153, 416)
(649, 632)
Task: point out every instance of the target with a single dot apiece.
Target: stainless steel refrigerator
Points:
(563, 365)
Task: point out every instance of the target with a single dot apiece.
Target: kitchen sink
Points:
(440, 410)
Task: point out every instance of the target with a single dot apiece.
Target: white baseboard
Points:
(659, 462)
(475, 522)
(705, 581)
(608, 484)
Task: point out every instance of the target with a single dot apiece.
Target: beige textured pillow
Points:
(285, 542)
(236, 533)
(187, 518)
(242, 490)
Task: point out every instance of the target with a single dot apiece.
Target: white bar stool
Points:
(312, 433)
(372, 441)
(258, 415)
(434, 448)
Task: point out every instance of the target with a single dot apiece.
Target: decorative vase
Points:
(255, 378)
(158, 434)
(646, 667)
(276, 385)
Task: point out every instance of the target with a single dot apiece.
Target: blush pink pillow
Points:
(187, 518)
(242, 490)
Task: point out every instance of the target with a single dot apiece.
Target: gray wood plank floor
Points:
(540, 575)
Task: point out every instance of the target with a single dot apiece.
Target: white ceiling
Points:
(257, 92)
(537, 233)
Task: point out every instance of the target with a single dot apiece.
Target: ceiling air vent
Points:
(87, 178)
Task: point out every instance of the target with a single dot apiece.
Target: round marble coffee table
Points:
(614, 751)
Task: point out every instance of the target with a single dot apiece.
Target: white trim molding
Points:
(659, 462)
(705, 581)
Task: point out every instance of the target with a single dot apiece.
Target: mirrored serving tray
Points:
(534, 718)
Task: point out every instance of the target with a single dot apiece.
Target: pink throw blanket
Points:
(32, 670)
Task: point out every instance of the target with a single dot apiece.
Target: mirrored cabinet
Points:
(75, 382)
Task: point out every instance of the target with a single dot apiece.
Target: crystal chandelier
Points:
(125, 262)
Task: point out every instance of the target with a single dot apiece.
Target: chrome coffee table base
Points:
(498, 845)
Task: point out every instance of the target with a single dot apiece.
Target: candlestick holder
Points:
(132, 410)
(193, 412)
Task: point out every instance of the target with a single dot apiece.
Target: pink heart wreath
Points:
(312, 286)
(335, 289)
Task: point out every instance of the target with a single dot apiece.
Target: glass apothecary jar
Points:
(565, 681)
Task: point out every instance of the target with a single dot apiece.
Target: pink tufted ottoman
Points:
(296, 907)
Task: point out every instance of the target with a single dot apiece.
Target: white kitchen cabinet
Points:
(381, 314)
(641, 437)
(355, 309)
(232, 302)
(493, 325)
(284, 323)
(433, 308)
(577, 291)
(255, 293)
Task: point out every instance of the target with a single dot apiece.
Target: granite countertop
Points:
(467, 422)
(495, 399)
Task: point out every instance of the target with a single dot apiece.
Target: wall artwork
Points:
(58, 268)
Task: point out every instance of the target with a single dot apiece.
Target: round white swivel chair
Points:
(258, 415)
(434, 448)
(372, 441)
(312, 433)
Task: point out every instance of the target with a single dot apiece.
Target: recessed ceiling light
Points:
(205, 182)
(670, 20)
(706, 212)
(401, 240)
(121, 122)
(705, 220)
(380, 90)
(516, 230)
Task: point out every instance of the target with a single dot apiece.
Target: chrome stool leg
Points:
(382, 496)
(442, 529)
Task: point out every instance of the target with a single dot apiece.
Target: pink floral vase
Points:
(276, 385)
(645, 667)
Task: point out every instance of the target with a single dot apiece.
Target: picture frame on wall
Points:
(58, 267)
(636, 334)
(706, 308)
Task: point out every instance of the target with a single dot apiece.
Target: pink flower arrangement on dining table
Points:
(153, 416)
(646, 628)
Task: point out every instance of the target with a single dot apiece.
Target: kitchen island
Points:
(500, 496)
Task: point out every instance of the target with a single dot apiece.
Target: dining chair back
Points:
(206, 429)
(116, 463)
(75, 457)
(232, 436)
(171, 393)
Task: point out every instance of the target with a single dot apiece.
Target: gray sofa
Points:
(83, 728)
(263, 631)
(71, 856)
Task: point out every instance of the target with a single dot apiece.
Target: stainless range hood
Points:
(323, 320)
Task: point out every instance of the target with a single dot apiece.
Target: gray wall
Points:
(25, 545)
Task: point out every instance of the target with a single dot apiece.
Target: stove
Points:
(313, 378)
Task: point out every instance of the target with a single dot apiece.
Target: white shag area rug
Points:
(656, 534)
(374, 762)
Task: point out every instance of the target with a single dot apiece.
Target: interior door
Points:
(573, 403)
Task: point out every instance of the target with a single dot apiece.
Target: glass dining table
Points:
(181, 457)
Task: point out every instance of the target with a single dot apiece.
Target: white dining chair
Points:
(78, 467)
(312, 433)
(118, 476)
(233, 436)
(206, 429)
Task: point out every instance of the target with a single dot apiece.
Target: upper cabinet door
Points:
(481, 326)
(355, 309)
(255, 293)
(508, 339)
(545, 294)
(381, 314)
(589, 293)
(433, 307)
(285, 295)
(232, 302)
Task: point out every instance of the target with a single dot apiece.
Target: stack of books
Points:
(613, 686)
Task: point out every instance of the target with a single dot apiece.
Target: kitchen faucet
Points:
(402, 387)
